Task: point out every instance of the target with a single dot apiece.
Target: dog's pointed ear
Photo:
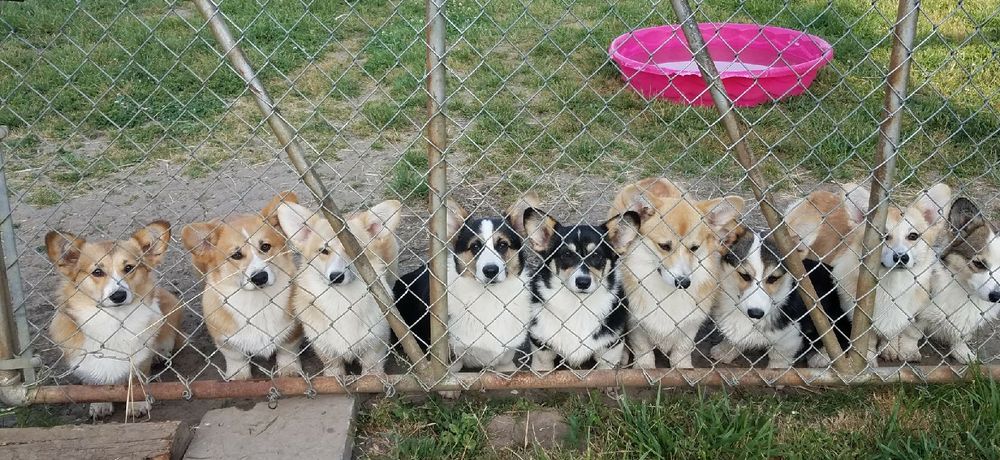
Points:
(294, 219)
(965, 217)
(734, 234)
(456, 217)
(384, 216)
(153, 240)
(63, 250)
(270, 212)
(932, 204)
(200, 239)
(539, 228)
(515, 213)
(636, 196)
(721, 213)
(623, 229)
(856, 202)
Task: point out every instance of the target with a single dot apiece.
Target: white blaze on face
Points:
(257, 265)
(986, 282)
(116, 282)
(755, 298)
(338, 264)
(489, 256)
(899, 246)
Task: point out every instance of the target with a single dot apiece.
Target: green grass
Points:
(944, 421)
(409, 176)
(532, 81)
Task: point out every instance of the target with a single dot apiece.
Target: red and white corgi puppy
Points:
(248, 272)
(672, 270)
(966, 292)
(112, 319)
(906, 262)
(338, 313)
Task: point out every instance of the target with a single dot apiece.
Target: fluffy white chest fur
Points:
(901, 294)
(487, 322)
(666, 313)
(116, 340)
(955, 314)
(343, 320)
(568, 321)
(260, 317)
(749, 334)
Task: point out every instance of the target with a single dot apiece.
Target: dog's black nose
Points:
(118, 296)
(259, 279)
(755, 313)
(682, 282)
(995, 296)
(491, 271)
(901, 258)
(583, 282)
(337, 277)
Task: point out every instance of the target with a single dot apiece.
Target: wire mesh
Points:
(559, 257)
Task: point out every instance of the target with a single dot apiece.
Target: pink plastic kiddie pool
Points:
(757, 63)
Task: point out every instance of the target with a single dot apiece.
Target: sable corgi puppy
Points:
(489, 303)
(112, 319)
(905, 271)
(759, 306)
(672, 274)
(965, 287)
(339, 315)
(634, 197)
(248, 271)
(581, 307)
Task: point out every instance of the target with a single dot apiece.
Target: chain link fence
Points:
(501, 135)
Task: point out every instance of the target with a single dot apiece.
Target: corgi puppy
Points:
(759, 306)
(581, 308)
(112, 319)
(966, 293)
(489, 303)
(672, 273)
(341, 319)
(906, 263)
(248, 271)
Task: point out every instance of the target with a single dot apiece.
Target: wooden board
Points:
(144, 440)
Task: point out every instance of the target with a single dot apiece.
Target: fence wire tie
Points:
(273, 395)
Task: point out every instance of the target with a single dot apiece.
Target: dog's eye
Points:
(502, 246)
(772, 279)
(129, 268)
(264, 247)
(98, 273)
(980, 265)
(325, 251)
(666, 246)
(476, 247)
(237, 255)
(746, 276)
(913, 236)
(695, 247)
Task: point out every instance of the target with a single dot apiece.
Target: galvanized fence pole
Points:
(746, 160)
(286, 137)
(437, 181)
(882, 177)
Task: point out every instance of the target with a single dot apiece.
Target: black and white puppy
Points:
(581, 309)
(489, 302)
(759, 307)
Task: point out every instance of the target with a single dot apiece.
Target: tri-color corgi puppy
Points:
(672, 274)
(112, 319)
(906, 268)
(581, 308)
(760, 308)
(966, 292)
(489, 303)
(248, 271)
(338, 313)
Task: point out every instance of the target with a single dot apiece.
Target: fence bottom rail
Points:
(292, 386)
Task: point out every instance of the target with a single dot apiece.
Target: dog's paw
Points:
(819, 360)
(962, 354)
(101, 410)
(139, 408)
(722, 353)
(454, 394)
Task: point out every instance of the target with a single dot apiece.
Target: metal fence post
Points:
(881, 184)
(437, 142)
(746, 159)
(286, 137)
